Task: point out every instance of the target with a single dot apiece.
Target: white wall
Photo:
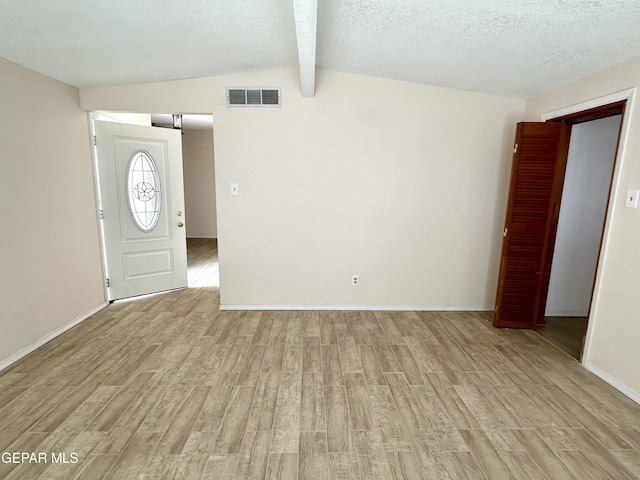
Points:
(49, 249)
(584, 200)
(401, 183)
(612, 342)
(199, 183)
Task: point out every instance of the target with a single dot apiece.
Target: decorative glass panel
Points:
(143, 191)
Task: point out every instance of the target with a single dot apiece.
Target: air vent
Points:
(253, 97)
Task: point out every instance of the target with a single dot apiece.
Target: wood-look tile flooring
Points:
(168, 387)
(566, 333)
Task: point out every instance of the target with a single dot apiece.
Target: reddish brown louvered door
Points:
(537, 176)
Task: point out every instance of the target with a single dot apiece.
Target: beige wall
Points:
(199, 183)
(49, 249)
(612, 345)
(403, 184)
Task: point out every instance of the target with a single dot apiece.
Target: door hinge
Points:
(515, 148)
(108, 283)
(95, 142)
(101, 215)
(504, 233)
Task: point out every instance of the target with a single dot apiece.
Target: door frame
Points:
(98, 196)
(624, 95)
(96, 115)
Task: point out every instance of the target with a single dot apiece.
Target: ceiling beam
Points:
(306, 16)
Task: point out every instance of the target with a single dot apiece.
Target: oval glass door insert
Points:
(144, 191)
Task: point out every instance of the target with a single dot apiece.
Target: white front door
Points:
(142, 203)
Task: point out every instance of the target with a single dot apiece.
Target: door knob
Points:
(179, 213)
(180, 224)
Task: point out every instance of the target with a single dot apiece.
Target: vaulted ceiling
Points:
(506, 47)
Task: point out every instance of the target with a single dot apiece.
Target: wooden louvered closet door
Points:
(537, 176)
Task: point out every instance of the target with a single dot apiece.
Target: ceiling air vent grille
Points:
(253, 97)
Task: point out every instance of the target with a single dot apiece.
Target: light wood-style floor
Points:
(168, 387)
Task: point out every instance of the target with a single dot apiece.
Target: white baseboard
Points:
(201, 236)
(614, 382)
(397, 308)
(50, 336)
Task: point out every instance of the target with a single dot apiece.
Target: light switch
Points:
(632, 199)
(234, 189)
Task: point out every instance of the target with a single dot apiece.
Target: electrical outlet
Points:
(355, 281)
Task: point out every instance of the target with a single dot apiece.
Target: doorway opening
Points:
(195, 173)
(594, 139)
(533, 212)
(199, 195)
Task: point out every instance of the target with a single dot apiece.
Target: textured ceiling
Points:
(110, 42)
(513, 47)
(506, 47)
